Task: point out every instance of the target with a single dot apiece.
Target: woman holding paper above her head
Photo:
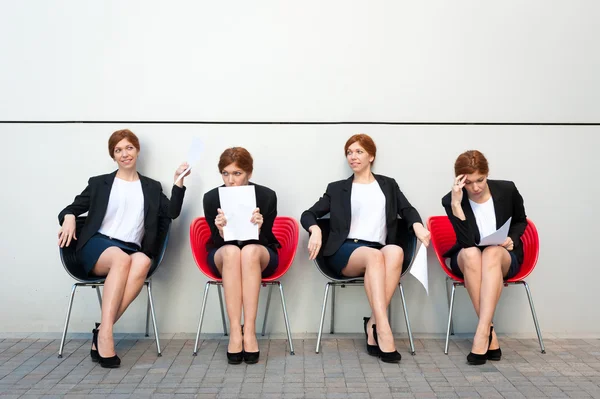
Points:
(241, 263)
(477, 207)
(126, 213)
(363, 223)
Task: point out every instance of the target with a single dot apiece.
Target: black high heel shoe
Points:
(493, 354)
(250, 357)
(475, 359)
(387, 357)
(94, 352)
(236, 357)
(106, 362)
(372, 350)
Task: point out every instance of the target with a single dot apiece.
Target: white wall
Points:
(311, 60)
(555, 168)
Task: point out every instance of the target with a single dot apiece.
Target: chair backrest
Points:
(285, 229)
(162, 240)
(199, 235)
(443, 238)
(407, 239)
(531, 251)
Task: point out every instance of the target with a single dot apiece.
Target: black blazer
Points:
(158, 210)
(266, 201)
(336, 201)
(507, 203)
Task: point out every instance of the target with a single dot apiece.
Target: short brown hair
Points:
(120, 135)
(365, 141)
(470, 162)
(238, 155)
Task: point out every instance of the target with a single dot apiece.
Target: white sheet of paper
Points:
(194, 153)
(419, 266)
(238, 203)
(498, 237)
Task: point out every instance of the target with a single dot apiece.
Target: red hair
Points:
(365, 142)
(470, 162)
(120, 135)
(239, 156)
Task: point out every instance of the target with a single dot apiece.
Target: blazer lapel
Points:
(389, 206)
(466, 206)
(346, 196)
(499, 203)
(146, 192)
(104, 194)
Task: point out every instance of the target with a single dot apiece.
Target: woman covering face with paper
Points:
(477, 207)
(242, 247)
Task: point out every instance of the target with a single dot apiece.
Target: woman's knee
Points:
(493, 257)
(230, 255)
(140, 265)
(375, 259)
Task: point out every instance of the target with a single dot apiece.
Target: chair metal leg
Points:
(219, 287)
(535, 319)
(322, 317)
(287, 321)
(267, 309)
(448, 297)
(331, 327)
(147, 313)
(451, 307)
(62, 341)
(206, 287)
(99, 296)
(151, 301)
(410, 336)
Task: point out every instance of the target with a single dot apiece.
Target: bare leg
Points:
(371, 262)
(393, 257)
(140, 265)
(495, 264)
(255, 259)
(228, 262)
(115, 265)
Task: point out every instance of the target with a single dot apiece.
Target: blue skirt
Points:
(91, 251)
(269, 270)
(338, 261)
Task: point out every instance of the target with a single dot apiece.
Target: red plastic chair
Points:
(443, 238)
(286, 231)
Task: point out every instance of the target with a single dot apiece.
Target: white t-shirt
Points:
(368, 213)
(485, 216)
(124, 218)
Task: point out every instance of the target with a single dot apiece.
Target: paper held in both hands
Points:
(238, 203)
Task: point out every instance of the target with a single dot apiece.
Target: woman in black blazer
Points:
(241, 264)
(363, 221)
(477, 207)
(119, 237)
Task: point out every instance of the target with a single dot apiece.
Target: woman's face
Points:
(476, 185)
(125, 154)
(358, 158)
(233, 175)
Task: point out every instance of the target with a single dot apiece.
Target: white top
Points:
(124, 218)
(485, 216)
(368, 213)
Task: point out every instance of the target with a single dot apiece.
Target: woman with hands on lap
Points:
(364, 213)
(477, 207)
(120, 236)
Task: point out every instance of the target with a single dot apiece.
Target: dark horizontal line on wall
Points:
(311, 123)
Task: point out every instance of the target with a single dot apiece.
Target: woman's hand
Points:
(67, 231)
(220, 221)
(509, 244)
(257, 218)
(182, 168)
(314, 242)
(457, 189)
(422, 233)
